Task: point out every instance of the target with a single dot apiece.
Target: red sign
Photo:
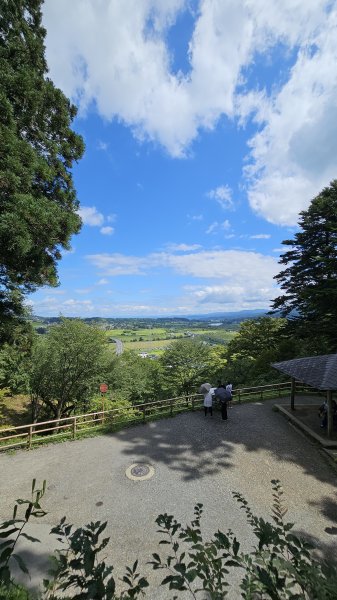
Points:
(103, 388)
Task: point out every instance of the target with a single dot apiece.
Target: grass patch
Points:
(147, 346)
(14, 410)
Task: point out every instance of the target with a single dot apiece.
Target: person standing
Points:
(229, 389)
(223, 396)
(208, 403)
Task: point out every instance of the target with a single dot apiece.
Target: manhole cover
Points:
(139, 472)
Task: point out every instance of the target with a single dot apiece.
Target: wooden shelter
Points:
(319, 372)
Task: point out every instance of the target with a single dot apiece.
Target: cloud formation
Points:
(182, 247)
(91, 216)
(107, 230)
(246, 278)
(260, 236)
(216, 226)
(129, 76)
(223, 195)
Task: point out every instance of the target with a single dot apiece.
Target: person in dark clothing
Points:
(223, 396)
(323, 413)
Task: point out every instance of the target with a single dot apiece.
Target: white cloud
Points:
(51, 306)
(215, 226)
(246, 278)
(235, 296)
(112, 218)
(91, 216)
(205, 264)
(223, 195)
(128, 76)
(182, 247)
(119, 264)
(196, 217)
(225, 264)
(107, 230)
(260, 236)
(294, 155)
(103, 281)
(212, 227)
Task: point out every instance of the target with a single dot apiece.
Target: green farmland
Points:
(147, 335)
(155, 340)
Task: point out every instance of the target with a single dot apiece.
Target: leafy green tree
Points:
(259, 342)
(67, 366)
(256, 336)
(186, 364)
(134, 378)
(38, 204)
(15, 355)
(309, 280)
(217, 358)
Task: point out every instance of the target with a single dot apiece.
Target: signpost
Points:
(103, 388)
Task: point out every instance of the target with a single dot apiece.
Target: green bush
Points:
(14, 592)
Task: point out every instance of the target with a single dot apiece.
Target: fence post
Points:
(292, 393)
(193, 398)
(239, 396)
(171, 407)
(144, 414)
(30, 435)
(74, 427)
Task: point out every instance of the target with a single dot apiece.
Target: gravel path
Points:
(196, 459)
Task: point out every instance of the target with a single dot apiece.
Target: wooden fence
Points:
(80, 425)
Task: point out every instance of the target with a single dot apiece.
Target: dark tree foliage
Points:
(310, 277)
(38, 204)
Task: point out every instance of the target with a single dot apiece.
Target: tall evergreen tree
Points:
(38, 204)
(310, 278)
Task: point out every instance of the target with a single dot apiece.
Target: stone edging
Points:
(324, 442)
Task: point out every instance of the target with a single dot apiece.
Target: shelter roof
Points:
(318, 371)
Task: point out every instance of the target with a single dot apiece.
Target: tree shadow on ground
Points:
(38, 561)
(328, 508)
(196, 446)
(323, 550)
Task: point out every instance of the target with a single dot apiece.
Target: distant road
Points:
(119, 346)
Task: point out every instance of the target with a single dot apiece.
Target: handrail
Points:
(33, 430)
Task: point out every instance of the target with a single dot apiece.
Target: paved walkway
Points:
(196, 459)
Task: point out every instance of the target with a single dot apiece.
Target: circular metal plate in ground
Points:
(139, 472)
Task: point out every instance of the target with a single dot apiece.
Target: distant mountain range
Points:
(240, 314)
(221, 316)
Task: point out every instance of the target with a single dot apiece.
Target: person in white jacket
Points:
(208, 403)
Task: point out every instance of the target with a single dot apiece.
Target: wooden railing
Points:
(79, 425)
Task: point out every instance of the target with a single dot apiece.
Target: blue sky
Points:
(208, 126)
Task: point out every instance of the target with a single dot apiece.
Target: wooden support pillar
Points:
(292, 393)
(330, 412)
